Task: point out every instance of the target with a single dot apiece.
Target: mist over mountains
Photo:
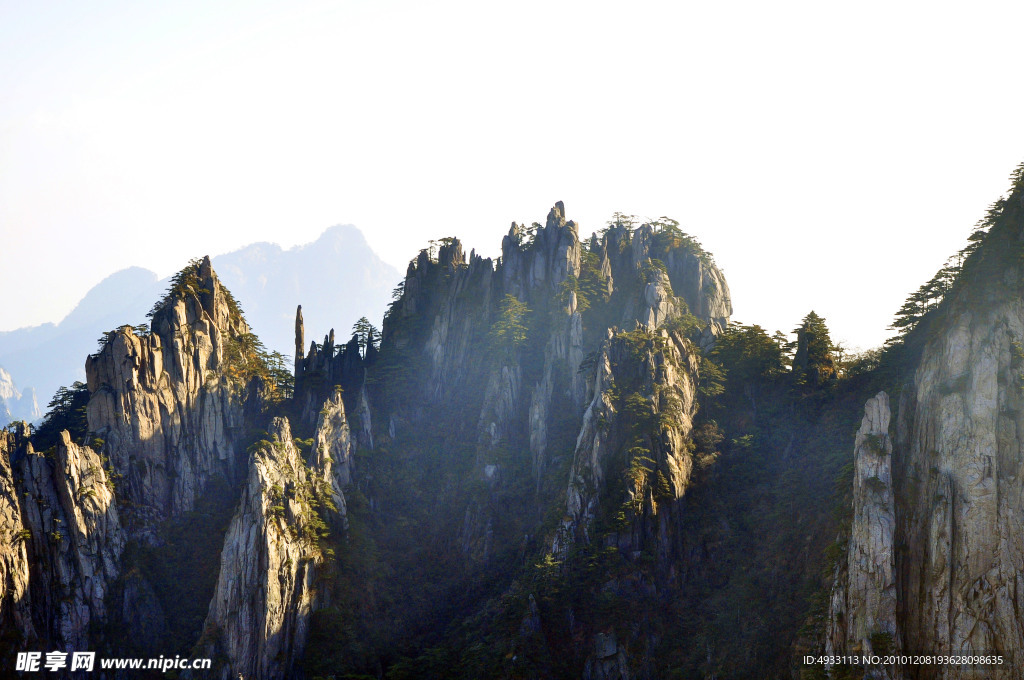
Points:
(337, 277)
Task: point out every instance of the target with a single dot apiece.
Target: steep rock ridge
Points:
(659, 369)
(323, 366)
(15, 600)
(958, 464)
(701, 284)
(455, 299)
(862, 610)
(65, 541)
(550, 258)
(332, 451)
(169, 414)
(691, 273)
(267, 589)
(634, 453)
(961, 483)
(446, 302)
(655, 304)
(563, 354)
(539, 270)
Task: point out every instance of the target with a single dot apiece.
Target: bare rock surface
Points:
(63, 541)
(163, 403)
(862, 610)
(267, 589)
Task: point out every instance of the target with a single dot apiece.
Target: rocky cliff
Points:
(63, 541)
(90, 529)
(960, 456)
(167, 404)
(557, 463)
(575, 291)
(641, 412)
(862, 609)
(268, 585)
(570, 370)
(935, 555)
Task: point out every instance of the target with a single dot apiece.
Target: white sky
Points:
(830, 155)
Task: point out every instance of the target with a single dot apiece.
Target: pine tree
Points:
(509, 332)
(814, 363)
(367, 335)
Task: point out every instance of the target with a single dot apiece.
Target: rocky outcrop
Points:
(957, 477)
(327, 366)
(300, 340)
(167, 403)
(862, 609)
(544, 262)
(448, 303)
(962, 480)
(15, 598)
(653, 375)
(700, 283)
(655, 304)
(267, 589)
(172, 407)
(64, 541)
(332, 452)
(627, 255)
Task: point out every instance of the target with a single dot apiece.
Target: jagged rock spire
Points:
(556, 216)
(300, 340)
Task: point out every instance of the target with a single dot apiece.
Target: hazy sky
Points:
(830, 155)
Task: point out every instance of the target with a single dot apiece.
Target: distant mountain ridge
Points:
(15, 404)
(270, 279)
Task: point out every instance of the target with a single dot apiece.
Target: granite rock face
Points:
(267, 589)
(663, 370)
(862, 610)
(332, 451)
(170, 409)
(173, 408)
(962, 481)
(957, 480)
(649, 434)
(64, 541)
(164, 403)
(447, 304)
(15, 540)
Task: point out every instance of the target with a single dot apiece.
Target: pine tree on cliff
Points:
(814, 364)
(508, 333)
(66, 412)
(366, 334)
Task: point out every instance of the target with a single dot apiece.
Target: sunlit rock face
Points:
(63, 541)
(960, 483)
(161, 401)
(936, 547)
(267, 589)
(862, 610)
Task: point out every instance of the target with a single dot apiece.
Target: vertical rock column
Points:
(300, 343)
(15, 602)
(862, 611)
